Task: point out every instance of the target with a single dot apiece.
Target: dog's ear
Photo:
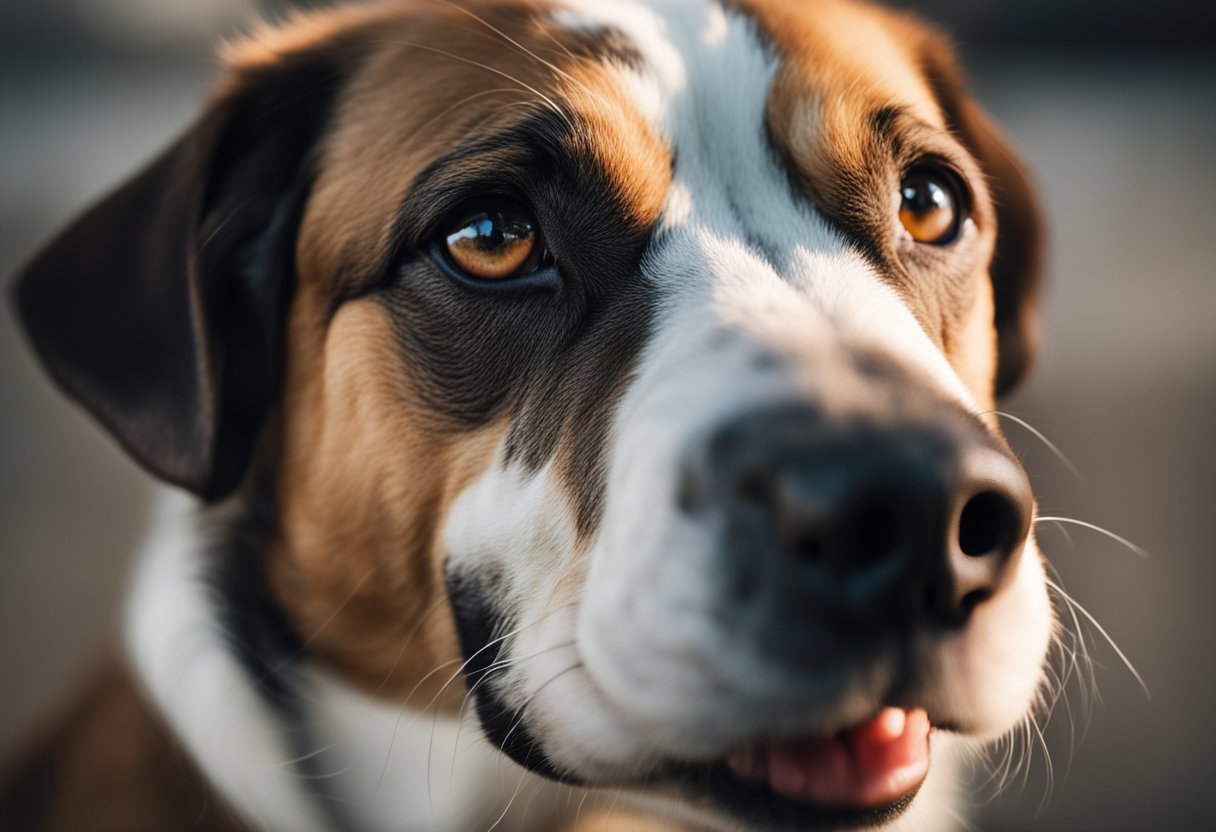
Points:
(161, 310)
(1018, 262)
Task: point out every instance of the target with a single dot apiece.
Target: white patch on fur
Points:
(388, 768)
(174, 639)
(407, 769)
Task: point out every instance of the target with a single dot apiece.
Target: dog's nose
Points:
(877, 522)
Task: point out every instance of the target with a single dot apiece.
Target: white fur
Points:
(180, 654)
(389, 768)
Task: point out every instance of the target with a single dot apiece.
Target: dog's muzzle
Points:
(849, 531)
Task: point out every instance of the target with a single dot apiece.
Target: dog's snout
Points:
(989, 517)
(879, 523)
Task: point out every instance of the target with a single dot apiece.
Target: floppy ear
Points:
(1017, 264)
(161, 310)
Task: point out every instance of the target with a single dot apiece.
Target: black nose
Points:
(873, 521)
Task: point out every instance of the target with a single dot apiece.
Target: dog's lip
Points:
(874, 765)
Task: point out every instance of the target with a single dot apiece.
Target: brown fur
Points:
(367, 475)
(365, 483)
(110, 765)
(841, 67)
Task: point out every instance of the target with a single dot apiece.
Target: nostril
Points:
(877, 534)
(808, 548)
(988, 524)
(973, 599)
(754, 486)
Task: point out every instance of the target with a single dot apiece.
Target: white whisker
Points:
(1051, 446)
(438, 694)
(553, 105)
(1088, 617)
(301, 758)
(1049, 773)
(556, 70)
(1117, 538)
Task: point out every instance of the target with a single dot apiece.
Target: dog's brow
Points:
(886, 122)
(493, 163)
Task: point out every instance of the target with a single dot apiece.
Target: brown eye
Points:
(931, 206)
(495, 244)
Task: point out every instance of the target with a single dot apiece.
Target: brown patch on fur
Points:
(366, 482)
(974, 351)
(110, 764)
(391, 124)
(368, 471)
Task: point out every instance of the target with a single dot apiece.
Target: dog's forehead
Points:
(440, 82)
(806, 80)
(786, 123)
(659, 86)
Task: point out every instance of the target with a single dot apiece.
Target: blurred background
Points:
(1113, 103)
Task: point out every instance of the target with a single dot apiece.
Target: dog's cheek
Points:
(510, 542)
(363, 485)
(972, 346)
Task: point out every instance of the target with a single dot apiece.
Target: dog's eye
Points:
(931, 205)
(496, 243)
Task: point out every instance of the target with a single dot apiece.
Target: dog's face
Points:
(634, 359)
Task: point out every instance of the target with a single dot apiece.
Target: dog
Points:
(581, 417)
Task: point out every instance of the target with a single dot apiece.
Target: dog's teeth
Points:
(890, 723)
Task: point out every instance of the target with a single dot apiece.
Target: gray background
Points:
(1114, 105)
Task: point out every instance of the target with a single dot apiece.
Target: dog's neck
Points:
(286, 744)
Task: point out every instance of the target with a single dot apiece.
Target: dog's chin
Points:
(863, 772)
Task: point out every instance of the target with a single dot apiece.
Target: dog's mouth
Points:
(870, 766)
(856, 777)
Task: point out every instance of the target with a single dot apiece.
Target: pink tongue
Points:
(866, 767)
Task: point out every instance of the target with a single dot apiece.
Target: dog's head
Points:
(636, 357)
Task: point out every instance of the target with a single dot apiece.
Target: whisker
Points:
(1027, 752)
(578, 814)
(406, 643)
(1092, 527)
(561, 46)
(1088, 682)
(501, 34)
(554, 68)
(438, 694)
(327, 775)
(421, 129)
(557, 110)
(486, 674)
(531, 698)
(1049, 773)
(338, 610)
(1088, 617)
(294, 760)
(1051, 446)
(511, 802)
(215, 232)
(536, 790)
